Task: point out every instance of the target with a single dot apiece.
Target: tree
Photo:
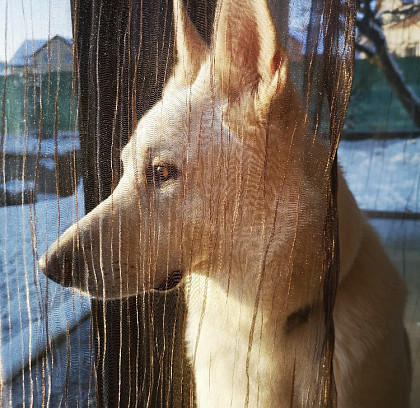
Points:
(369, 24)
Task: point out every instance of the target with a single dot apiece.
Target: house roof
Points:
(24, 56)
(25, 53)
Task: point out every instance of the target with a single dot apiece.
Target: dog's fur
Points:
(222, 183)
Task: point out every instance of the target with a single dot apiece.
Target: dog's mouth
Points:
(65, 270)
(171, 282)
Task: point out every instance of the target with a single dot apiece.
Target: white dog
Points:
(223, 183)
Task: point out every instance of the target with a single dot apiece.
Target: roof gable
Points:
(24, 56)
(25, 53)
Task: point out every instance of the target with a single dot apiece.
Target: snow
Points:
(34, 310)
(17, 186)
(384, 175)
(65, 142)
(48, 163)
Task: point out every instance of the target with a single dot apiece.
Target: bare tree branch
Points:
(406, 11)
(379, 55)
(367, 49)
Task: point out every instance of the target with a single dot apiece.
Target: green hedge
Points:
(49, 99)
(373, 106)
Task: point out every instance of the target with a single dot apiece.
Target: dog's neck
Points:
(236, 334)
(225, 343)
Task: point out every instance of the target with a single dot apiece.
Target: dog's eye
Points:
(160, 173)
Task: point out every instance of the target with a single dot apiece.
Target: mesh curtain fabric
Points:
(125, 55)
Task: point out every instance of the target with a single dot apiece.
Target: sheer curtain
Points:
(125, 55)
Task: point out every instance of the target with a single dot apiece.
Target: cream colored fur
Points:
(223, 183)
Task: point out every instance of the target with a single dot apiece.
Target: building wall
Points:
(388, 4)
(55, 56)
(404, 38)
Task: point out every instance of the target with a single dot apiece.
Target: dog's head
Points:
(207, 171)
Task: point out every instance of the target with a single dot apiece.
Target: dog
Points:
(224, 184)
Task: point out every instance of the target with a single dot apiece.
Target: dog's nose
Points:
(59, 266)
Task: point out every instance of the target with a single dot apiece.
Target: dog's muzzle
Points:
(62, 268)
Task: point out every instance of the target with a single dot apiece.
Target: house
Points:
(33, 161)
(401, 26)
(43, 56)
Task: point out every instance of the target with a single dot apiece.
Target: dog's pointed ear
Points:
(247, 53)
(190, 49)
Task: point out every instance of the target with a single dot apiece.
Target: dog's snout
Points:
(60, 267)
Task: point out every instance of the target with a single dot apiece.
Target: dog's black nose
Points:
(60, 267)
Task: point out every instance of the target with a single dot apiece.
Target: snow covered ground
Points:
(384, 175)
(33, 310)
(24, 144)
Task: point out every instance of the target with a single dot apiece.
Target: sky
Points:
(31, 19)
(41, 19)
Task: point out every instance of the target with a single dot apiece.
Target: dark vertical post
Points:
(123, 54)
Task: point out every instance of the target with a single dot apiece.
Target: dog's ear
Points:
(247, 54)
(190, 49)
